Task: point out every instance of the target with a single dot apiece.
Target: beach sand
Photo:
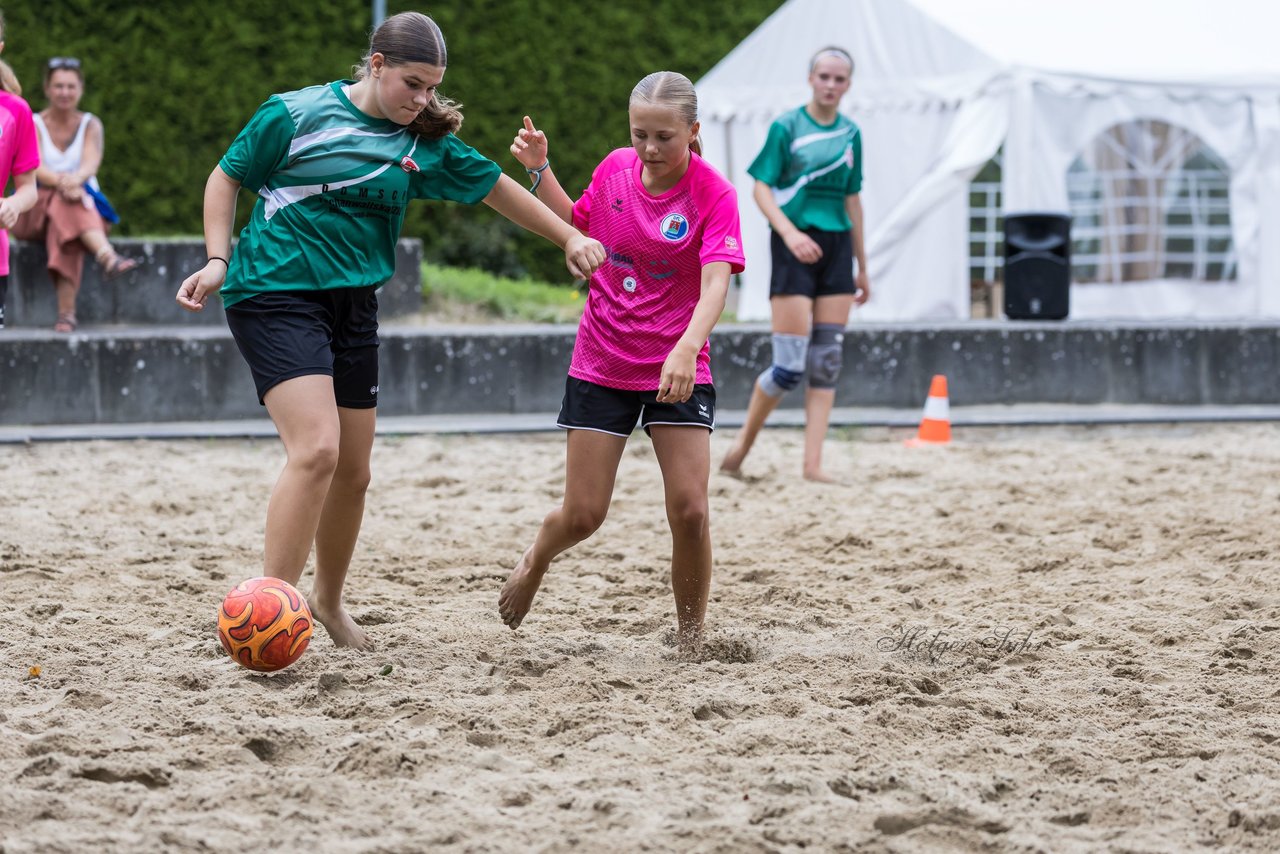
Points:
(1029, 640)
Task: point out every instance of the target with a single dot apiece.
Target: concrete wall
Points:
(145, 296)
(177, 374)
(994, 361)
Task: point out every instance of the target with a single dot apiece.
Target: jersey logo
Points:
(617, 205)
(730, 243)
(629, 285)
(620, 259)
(407, 164)
(674, 226)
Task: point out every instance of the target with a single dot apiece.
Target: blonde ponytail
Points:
(9, 80)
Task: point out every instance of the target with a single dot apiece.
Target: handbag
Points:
(100, 202)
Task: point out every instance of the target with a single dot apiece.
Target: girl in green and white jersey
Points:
(808, 181)
(334, 167)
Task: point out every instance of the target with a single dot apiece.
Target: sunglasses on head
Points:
(63, 62)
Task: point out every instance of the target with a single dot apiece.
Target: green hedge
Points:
(174, 81)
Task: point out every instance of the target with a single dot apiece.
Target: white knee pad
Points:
(788, 364)
(826, 355)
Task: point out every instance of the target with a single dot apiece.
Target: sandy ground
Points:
(1031, 640)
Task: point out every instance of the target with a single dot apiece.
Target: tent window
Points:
(1149, 200)
(986, 239)
(986, 224)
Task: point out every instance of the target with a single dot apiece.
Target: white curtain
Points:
(1056, 118)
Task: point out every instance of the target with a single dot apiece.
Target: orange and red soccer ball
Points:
(264, 624)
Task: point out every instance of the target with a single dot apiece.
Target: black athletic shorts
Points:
(588, 406)
(832, 274)
(289, 334)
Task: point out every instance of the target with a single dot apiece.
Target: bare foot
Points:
(689, 640)
(517, 594)
(732, 463)
(341, 627)
(819, 476)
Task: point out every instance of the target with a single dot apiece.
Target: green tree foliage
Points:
(174, 82)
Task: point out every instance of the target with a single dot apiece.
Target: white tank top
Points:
(68, 159)
(57, 159)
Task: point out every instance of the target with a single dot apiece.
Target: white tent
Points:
(942, 85)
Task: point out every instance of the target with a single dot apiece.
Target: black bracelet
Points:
(219, 258)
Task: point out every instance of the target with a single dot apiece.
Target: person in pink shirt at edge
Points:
(19, 159)
(669, 224)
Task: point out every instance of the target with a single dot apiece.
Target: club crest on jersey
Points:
(674, 226)
(629, 284)
(407, 164)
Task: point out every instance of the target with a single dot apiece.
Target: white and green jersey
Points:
(333, 184)
(812, 168)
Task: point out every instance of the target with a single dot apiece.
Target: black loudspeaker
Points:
(1037, 266)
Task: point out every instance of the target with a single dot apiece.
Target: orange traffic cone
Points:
(935, 425)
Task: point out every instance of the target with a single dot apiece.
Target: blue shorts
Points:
(588, 406)
(288, 334)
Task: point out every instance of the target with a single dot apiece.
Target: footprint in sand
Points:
(723, 709)
(152, 778)
(895, 824)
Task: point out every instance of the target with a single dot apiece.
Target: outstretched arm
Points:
(680, 369)
(219, 216)
(582, 254)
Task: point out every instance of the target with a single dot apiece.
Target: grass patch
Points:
(468, 295)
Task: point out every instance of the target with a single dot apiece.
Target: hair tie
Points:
(537, 175)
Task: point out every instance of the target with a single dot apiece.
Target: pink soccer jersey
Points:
(642, 298)
(19, 153)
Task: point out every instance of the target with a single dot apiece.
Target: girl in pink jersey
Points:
(669, 225)
(19, 159)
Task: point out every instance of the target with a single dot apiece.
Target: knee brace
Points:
(826, 355)
(788, 365)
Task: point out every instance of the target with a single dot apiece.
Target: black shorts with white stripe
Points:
(588, 406)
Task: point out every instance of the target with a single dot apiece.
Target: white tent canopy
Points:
(942, 85)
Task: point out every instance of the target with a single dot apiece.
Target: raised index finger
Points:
(528, 124)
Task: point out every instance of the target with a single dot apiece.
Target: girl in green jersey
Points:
(808, 180)
(334, 167)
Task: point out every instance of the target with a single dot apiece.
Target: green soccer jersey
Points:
(812, 168)
(333, 184)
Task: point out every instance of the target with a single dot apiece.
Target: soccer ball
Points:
(264, 624)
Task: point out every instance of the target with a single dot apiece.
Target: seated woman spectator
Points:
(65, 215)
